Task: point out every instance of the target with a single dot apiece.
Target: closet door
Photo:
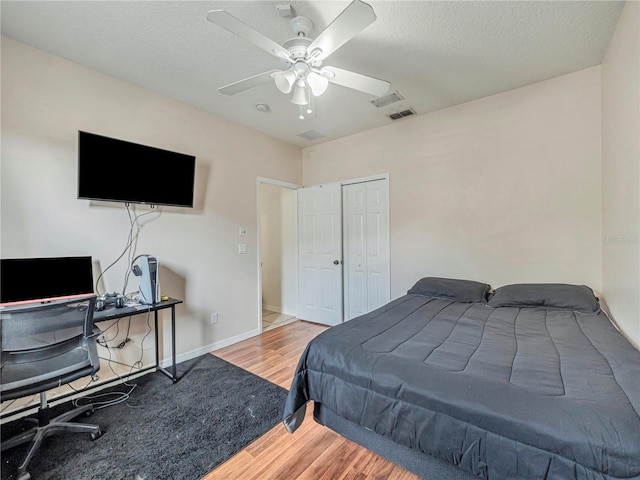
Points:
(320, 254)
(366, 247)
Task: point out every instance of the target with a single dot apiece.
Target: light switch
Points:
(242, 231)
(242, 248)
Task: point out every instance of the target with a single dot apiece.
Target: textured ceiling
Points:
(435, 54)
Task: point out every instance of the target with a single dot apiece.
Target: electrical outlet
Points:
(214, 318)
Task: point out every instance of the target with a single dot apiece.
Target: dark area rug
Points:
(163, 431)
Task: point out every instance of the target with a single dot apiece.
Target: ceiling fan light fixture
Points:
(285, 80)
(300, 96)
(302, 56)
(318, 83)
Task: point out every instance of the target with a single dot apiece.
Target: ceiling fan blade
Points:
(247, 83)
(242, 30)
(353, 19)
(370, 85)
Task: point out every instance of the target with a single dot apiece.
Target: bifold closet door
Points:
(366, 246)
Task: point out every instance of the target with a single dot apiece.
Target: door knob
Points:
(337, 262)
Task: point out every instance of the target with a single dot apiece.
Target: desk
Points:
(117, 313)
(103, 316)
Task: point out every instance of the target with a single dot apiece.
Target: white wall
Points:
(621, 173)
(270, 242)
(509, 188)
(279, 252)
(46, 100)
(504, 189)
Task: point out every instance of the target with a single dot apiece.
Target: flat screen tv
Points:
(115, 170)
(30, 280)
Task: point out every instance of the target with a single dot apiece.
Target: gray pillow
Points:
(453, 289)
(553, 295)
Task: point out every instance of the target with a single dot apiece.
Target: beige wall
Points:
(279, 250)
(46, 100)
(509, 188)
(504, 189)
(621, 173)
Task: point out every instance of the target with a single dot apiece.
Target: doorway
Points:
(278, 255)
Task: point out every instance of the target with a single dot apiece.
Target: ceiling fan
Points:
(302, 56)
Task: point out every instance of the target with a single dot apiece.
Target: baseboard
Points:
(166, 362)
(273, 308)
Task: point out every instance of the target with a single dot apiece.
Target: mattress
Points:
(505, 392)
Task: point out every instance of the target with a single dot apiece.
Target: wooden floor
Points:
(313, 451)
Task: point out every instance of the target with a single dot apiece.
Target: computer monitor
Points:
(30, 280)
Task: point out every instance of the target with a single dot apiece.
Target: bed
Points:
(531, 381)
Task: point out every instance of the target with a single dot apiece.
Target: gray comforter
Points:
(506, 393)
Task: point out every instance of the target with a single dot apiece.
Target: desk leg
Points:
(173, 375)
(155, 316)
(173, 342)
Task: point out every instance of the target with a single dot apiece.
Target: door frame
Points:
(259, 182)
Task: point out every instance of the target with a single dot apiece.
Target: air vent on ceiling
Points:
(404, 113)
(387, 100)
(310, 135)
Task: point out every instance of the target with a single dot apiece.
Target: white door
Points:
(366, 247)
(320, 254)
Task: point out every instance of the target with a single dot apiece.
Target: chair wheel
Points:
(88, 413)
(94, 436)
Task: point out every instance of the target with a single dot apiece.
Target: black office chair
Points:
(45, 346)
